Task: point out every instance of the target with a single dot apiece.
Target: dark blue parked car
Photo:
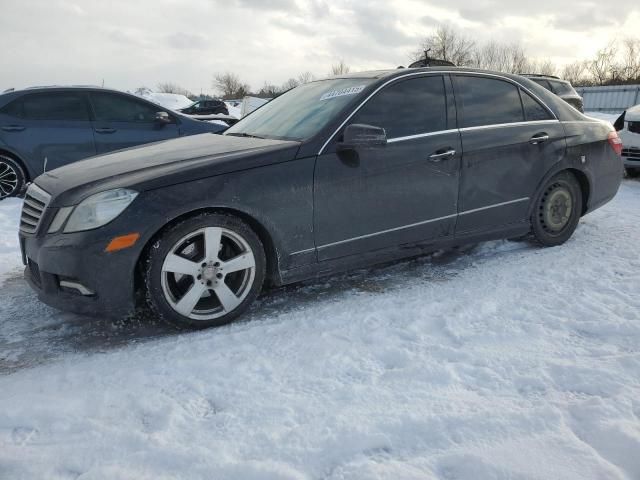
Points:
(46, 127)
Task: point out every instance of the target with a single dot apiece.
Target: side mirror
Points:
(362, 136)
(163, 118)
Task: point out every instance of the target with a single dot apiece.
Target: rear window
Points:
(532, 108)
(487, 101)
(50, 106)
(542, 82)
(562, 88)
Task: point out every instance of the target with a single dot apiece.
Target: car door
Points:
(510, 140)
(400, 193)
(48, 130)
(120, 121)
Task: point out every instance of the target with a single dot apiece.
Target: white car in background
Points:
(628, 126)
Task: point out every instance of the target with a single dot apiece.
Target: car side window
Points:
(532, 108)
(541, 82)
(52, 106)
(561, 88)
(109, 107)
(13, 109)
(408, 107)
(488, 101)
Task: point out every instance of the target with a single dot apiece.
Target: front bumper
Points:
(72, 272)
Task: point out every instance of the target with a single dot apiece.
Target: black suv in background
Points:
(206, 107)
(47, 127)
(561, 88)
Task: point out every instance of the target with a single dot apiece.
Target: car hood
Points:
(163, 163)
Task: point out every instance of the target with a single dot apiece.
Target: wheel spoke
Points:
(190, 299)
(241, 262)
(212, 238)
(227, 298)
(177, 264)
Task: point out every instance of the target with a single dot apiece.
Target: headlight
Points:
(99, 209)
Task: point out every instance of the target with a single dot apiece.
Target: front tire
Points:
(12, 177)
(557, 210)
(204, 271)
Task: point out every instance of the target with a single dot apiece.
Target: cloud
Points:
(147, 41)
(186, 41)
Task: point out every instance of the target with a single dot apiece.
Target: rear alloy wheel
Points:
(633, 172)
(205, 271)
(557, 210)
(12, 177)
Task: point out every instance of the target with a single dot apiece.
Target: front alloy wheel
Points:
(205, 271)
(12, 178)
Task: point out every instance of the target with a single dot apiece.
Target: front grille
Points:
(634, 127)
(632, 153)
(35, 203)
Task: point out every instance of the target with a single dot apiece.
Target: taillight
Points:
(615, 142)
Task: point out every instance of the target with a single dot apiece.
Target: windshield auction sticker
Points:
(340, 93)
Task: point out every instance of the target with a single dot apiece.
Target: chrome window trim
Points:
(421, 135)
(442, 72)
(424, 222)
(504, 125)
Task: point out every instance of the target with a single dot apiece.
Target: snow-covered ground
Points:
(504, 361)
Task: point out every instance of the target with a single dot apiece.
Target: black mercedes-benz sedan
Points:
(332, 175)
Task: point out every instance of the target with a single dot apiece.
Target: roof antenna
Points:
(426, 57)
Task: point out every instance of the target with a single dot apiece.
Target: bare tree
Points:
(509, 58)
(577, 73)
(630, 65)
(169, 87)
(228, 84)
(603, 65)
(268, 90)
(306, 77)
(447, 43)
(340, 68)
(142, 90)
(289, 84)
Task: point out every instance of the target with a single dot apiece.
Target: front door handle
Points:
(105, 130)
(13, 128)
(438, 157)
(539, 138)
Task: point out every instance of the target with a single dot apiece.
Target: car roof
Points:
(49, 88)
(398, 72)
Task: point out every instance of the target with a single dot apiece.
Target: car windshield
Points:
(301, 112)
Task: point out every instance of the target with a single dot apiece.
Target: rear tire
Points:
(12, 177)
(633, 172)
(557, 210)
(204, 271)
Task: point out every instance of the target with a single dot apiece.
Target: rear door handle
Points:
(105, 130)
(438, 157)
(13, 128)
(539, 138)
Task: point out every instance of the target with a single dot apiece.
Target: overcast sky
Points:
(131, 43)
